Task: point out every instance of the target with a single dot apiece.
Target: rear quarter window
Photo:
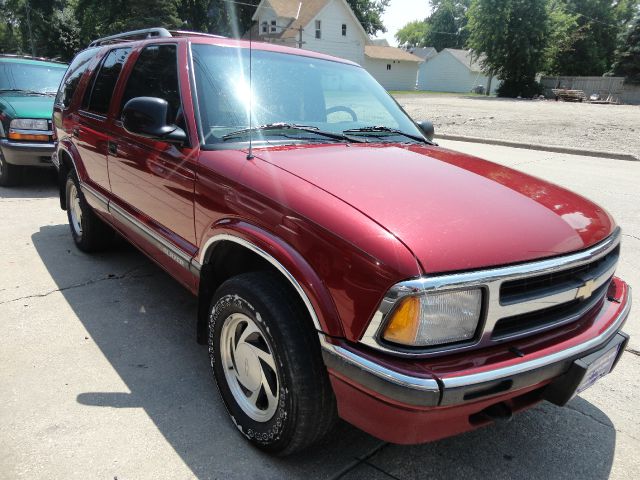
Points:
(72, 77)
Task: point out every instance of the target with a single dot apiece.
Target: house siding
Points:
(445, 73)
(332, 42)
(402, 75)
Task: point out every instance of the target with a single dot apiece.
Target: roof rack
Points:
(188, 33)
(143, 34)
(131, 36)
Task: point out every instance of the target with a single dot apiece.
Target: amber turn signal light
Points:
(403, 325)
(29, 136)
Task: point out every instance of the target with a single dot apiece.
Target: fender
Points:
(96, 197)
(65, 145)
(287, 260)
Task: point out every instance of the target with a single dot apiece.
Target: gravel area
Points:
(613, 128)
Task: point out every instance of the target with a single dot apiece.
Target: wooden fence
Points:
(606, 87)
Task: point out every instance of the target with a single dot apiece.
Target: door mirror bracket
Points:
(427, 129)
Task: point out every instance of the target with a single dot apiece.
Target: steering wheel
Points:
(340, 108)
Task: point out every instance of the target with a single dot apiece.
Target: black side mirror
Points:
(427, 128)
(147, 117)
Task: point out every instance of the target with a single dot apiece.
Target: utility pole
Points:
(300, 42)
(28, 8)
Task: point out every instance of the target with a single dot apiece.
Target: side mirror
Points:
(147, 117)
(427, 128)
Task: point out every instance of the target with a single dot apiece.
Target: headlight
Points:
(435, 318)
(29, 124)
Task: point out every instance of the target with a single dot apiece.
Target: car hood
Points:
(453, 211)
(28, 106)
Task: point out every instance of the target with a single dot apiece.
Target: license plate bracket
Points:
(586, 371)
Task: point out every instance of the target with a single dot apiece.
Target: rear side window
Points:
(155, 74)
(98, 97)
(72, 77)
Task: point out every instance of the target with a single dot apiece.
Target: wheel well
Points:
(227, 260)
(66, 165)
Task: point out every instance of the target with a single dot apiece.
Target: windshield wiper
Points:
(22, 90)
(290, 126)
(383, 129)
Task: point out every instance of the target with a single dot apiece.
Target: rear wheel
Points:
(90, 234)
(266, 360)
(9, 174)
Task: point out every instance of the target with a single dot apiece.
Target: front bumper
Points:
(435, 398)
(26, 153)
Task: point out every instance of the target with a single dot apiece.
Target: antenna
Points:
(250, 154)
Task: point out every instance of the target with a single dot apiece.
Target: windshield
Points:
(289, 89)
(30, 77)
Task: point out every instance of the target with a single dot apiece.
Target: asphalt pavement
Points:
(101, 378)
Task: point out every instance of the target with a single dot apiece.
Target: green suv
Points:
(27, 90)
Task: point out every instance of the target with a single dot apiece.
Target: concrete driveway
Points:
(101, 378)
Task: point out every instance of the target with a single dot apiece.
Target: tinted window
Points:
(72, 77)
(97, 98)
(155, 74)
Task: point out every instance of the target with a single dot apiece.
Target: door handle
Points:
(112, 148)
(75, 131)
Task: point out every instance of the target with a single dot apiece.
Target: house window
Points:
(273, 26)
(264, 27)
(344, 29)
(318, 29)
(388, 66)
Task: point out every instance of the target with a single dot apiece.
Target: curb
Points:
(544, 148)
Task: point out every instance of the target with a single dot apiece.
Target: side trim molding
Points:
(96, 196)
(175, 254)
(255, 249)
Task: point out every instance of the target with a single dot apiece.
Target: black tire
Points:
(9, 174)
(306, 408)
(90, 233)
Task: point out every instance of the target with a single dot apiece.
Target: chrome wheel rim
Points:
(75, 210)
(249, 367)
(1, 165)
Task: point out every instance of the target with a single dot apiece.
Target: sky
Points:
(401, 12)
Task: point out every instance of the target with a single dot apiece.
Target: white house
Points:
(331, 27)
(454, 70)
(394, 68)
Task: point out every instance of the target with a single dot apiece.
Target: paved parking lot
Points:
(101, 378)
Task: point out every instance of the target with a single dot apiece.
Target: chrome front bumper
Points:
(27, 154)
(433, 392)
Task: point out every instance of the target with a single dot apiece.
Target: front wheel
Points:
(266, 361)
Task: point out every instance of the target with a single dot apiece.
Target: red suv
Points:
(345, 265)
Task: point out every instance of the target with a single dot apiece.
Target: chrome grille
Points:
(520, 300)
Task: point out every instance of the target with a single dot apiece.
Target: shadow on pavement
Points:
(33, 183)
(144, 324)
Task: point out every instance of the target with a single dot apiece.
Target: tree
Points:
(510, 38)
(10, 35)
(447, 24)
(413, 34)
(625, 10)
(592, 51)
(627, 57)
(65, 34)
(369, 13)
(563, 33)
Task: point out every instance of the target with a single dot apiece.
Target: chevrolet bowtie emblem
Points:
(586, 290)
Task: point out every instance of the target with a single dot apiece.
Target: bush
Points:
(524, 88)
